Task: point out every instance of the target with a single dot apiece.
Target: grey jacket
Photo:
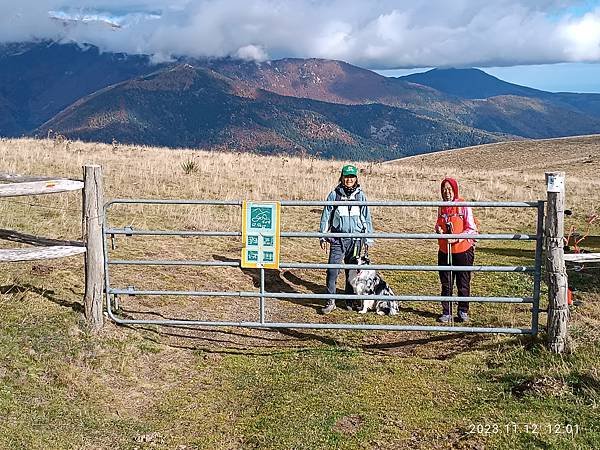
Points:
(347, 219)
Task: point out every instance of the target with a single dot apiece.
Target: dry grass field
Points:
(167, 387)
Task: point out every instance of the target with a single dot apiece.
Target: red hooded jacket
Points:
(455, 220)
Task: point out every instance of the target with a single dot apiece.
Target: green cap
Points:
(349, 170)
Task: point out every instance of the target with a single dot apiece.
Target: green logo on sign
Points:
(261, 217)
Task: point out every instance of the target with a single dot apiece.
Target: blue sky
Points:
(564, 77)
(547, 44)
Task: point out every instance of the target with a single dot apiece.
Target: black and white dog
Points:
(369, 282)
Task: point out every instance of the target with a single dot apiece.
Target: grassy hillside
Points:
(181, 388)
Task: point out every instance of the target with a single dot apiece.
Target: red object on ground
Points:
(569, 296)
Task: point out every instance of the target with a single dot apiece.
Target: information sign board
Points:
(260, 234)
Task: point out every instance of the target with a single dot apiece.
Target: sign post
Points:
(261, 238)
(260, 234)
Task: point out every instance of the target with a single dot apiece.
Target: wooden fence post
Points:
(93, 202)
(558, 311)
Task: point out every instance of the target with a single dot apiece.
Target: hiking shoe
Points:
(463, 316)
(330, 306)
(445, 318)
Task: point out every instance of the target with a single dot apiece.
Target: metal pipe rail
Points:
(250, 294)
(322, 326)
(317, 234)
(324, 203)
(293, 265)
(262, 294)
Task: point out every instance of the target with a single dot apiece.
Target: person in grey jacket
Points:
(344, 219)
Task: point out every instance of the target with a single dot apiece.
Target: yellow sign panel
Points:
(261, 234)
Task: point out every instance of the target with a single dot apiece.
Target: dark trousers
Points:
(341, 249)
(463, 279)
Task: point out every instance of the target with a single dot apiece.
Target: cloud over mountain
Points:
(379, 34)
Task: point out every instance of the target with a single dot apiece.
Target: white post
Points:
(558, 311)
(93, 202)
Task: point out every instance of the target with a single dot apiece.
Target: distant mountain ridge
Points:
(477, 84)
(469, 83)
(314, 106)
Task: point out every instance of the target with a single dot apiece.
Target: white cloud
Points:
(252, 53)
(583, 37)
(381, 34)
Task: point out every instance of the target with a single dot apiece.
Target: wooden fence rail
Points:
(16, 189)
(17, 178)
(35, 254)
(47, 248)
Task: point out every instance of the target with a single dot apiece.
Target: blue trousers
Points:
(341, 249)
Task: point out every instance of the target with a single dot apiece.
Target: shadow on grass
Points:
(419, 312)
(584, 279)
(223, 341)
(228, 341)
(462, 342)
(313, 287)
(274, 282)
(46, 293)
(518, 252)
(269, 342)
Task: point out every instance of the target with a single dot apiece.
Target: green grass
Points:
(174, 388)
(146, 388)
(150, 387)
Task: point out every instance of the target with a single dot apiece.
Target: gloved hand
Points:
(324, 244)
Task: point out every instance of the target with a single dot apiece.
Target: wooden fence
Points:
(12, 185)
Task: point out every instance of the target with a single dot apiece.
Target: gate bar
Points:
(409, 203)
(403, 298)
(316, 234)
(262, 295)
(295, 265)
(331, 326)
(323, 203)
(150, 201)
(537, 275)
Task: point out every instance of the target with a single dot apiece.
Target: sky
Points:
(548, 44)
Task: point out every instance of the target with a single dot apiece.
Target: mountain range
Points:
(310, 106)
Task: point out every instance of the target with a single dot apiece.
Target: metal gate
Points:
(263, 295)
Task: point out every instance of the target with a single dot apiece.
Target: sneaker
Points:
(349, 306)
(445, 318)
(330, 306)
(463, 316)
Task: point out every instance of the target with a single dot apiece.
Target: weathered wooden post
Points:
(93, 202)
(558, 311)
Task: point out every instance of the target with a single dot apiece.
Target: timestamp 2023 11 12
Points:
(490, 428)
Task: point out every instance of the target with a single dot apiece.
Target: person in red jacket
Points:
(455, 252)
